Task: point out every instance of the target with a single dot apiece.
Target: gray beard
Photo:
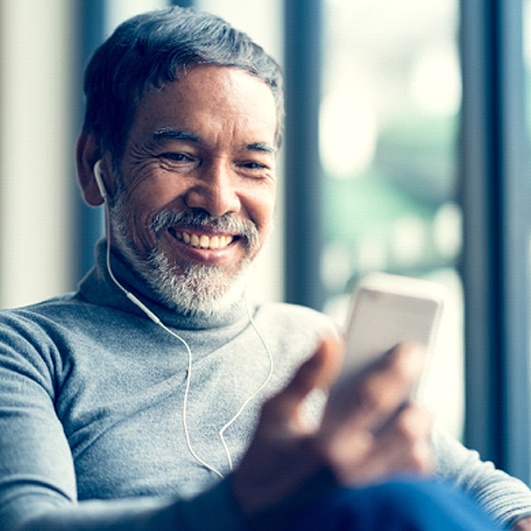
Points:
(197, 289)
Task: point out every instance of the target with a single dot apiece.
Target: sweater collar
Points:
(98, 288)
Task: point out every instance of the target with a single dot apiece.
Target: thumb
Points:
(317, 372)
(329, 356)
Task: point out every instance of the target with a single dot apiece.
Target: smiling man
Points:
(156, 396)
(196, 185)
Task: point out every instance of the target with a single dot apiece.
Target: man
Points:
(134, 402)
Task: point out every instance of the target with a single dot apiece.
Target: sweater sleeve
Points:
(37, 475)
(506, 498)
(212, 509)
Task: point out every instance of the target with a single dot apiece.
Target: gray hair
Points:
(154, 48)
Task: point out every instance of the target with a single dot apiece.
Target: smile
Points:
(203, 241)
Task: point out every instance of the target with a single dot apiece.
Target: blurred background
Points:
(406, 150)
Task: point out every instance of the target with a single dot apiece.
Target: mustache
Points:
(200, 219)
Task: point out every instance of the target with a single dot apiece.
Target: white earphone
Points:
(139, 304)
(99, 180)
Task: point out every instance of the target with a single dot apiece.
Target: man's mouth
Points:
(203, 241)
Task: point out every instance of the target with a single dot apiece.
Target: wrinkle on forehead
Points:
(223, 100)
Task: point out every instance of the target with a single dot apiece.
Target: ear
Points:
(88, 153)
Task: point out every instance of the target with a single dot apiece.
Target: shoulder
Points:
(294, 318)
(42, 332)
(31, 315)
(28, 344)
(45, 315)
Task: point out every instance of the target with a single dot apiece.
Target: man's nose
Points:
(214, 190)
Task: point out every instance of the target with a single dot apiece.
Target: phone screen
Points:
(386, 310)
(380, 320)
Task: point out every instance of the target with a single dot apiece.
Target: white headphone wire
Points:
(257, 392)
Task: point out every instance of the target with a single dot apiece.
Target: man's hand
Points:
(371, 431)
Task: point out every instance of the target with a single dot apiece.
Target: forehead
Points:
(210, 100)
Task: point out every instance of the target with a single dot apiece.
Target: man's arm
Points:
(37, 471)
(285, 463)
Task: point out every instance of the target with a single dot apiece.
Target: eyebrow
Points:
(262, 146)
(168, 133)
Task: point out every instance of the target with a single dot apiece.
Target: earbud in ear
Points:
(99, 180)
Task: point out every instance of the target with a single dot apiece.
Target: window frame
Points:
(495, 185)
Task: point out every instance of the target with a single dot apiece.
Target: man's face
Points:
(197, 185)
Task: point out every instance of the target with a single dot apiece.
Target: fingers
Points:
(406, 442)
(379, 393)
(403, 446)
(331, 353)
(367, 399)
(379, 432)
(370, 429)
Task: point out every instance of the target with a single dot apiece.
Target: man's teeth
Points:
(203, 241)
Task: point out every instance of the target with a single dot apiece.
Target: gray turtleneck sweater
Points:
(91, 410)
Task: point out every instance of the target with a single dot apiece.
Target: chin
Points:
(200, 290)
(197, 289)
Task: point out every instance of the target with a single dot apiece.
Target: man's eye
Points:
(177, 157)
(253, 165)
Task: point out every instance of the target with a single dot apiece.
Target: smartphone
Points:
(386, 310)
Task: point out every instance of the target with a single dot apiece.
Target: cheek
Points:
(136, 222)
(146, 201)
(157, 194)
(261, 209)
(137, 214)
(149, 187)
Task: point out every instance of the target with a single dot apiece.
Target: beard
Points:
(196, 289)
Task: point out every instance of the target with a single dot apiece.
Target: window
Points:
(388, 136)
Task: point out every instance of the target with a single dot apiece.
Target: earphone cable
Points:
(255, 394)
